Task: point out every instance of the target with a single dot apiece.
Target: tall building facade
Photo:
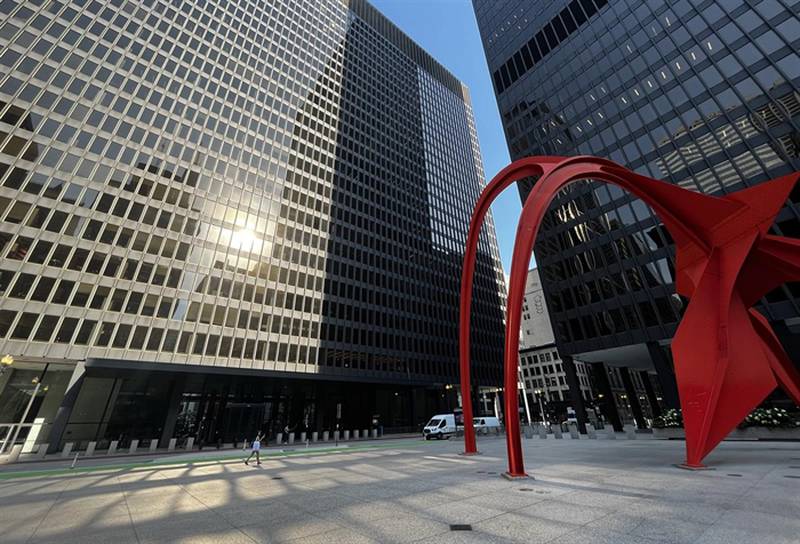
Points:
(705, 95)
(226, 216)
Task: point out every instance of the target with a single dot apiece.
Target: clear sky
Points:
(447, 30)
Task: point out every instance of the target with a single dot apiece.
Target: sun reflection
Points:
(245, 239)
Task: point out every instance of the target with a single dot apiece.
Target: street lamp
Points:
(541, 408)
(5, 362)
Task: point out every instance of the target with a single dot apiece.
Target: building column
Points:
(655, 406)
(576, 398)
(666, 375)
(607, 404)
(633, 397)
(174, 404)
(65, 409)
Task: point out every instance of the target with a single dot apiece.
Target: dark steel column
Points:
(607, 404)
(633, 397)
(655, 406)
(65, 409)
(666, 375)
(174, 404)
(575, 392)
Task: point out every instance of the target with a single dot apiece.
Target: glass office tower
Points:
(229, 215)
(705, 95)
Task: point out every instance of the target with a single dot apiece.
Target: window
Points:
(121, 338)
(155, 339)
(139, 336)
(85, 332)
(105, 333)
(22, 286)
(43, 289)
(40, 252)
(66, 331)
(6, 318)
(63, 291)
(24, 326)
(46, 328)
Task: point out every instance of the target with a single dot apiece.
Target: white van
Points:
(488, 423)
(440, 426)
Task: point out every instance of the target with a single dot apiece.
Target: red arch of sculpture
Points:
(727, 359)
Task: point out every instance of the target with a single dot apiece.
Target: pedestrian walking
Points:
(255, 449)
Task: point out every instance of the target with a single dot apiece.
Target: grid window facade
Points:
(222, 183)
(705, 95)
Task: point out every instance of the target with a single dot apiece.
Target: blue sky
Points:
(448, 31)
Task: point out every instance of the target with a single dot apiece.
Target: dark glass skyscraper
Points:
(225, 215)
(705, 95)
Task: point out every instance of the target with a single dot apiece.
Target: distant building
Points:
(542, 370)
(544, 374)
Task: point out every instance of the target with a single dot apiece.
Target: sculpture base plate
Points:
(684, 466)
(509, 476)
(470, 453)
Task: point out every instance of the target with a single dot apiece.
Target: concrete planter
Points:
(749, 433)
(670, 433)
(764, 433)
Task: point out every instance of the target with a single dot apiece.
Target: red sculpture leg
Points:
(533, 166)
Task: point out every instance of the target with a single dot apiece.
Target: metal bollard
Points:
(315, 436)
(542, 432)
(189, 443)
(153, 445)
(590, 431)
(90, 449)
(112, 447)
(374, 433)
(336, 435)
(528, 432)
(345, 435)
(172, 443)
(67, 449)
(355, 434)
(291, 438)
(365, 434)
(303, 436)
(134, 446)
(611, 434)
(557, 432)
(630, 432)
(573, 432)
(42, 451)
(325, 435)
(279, 438)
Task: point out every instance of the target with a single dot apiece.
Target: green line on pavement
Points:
(231, 458)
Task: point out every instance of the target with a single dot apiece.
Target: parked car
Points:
(488, 423)
(440, 426)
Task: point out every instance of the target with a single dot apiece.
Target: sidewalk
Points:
(55, 462)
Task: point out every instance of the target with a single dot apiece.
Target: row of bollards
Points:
(69, 448)
(325, 436)
(591, 432)
(113, 448)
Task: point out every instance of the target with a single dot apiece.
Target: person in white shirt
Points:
(255, 449)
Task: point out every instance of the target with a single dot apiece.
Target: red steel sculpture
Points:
(727, 359)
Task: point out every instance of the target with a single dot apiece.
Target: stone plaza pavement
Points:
(584, 491)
